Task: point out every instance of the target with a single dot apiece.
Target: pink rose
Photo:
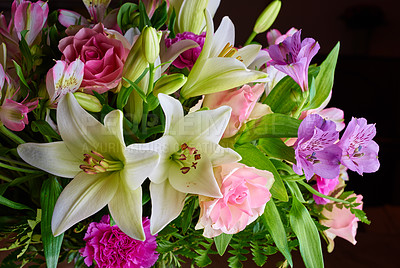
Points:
(341, 222)
(110, 247)
(242, 102)
(245, 192)
(103, 55)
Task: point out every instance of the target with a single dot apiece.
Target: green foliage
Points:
(45, 129)
(160, 16)
(128, 16)
(222, 242)
(275, 147)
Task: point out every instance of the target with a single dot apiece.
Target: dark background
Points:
(366, 85)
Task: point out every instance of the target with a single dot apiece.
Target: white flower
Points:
(188, 152)
(104, 170)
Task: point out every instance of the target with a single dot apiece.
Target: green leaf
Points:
(25, 51)
(127, 16)
(275, 147)
(307, 234)
(20, 74)
(286, 95)
(137, 88)
(171, 24)
(324, 80)
(187, 214)
(152, 102)
(45, 129)
(253, 157)
(270, 126)
(222, 242)
(11, 204)
(360, 215)
(143, 19)
(51, 189)
(295, 190)
(160, 16)
(273, 222)
(258, 253)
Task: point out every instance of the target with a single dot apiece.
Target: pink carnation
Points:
(188, 57)
(109, 247)
(103, 55)
(245, 192)
(325, 187)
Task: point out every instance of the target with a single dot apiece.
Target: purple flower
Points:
(188, 57)
(315, 149)
(324, 186)
(359, 151)
(109, 247)
(293, 57)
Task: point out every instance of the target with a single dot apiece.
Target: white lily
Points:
(188, 152)
(219, 66)
(104, 170)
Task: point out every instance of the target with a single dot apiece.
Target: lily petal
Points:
(126, 209)
(223, 155)
(113, 121)
(54, 158)
(81, 198)
(248, 53)
(199, 181)
(205, 125)
(219, 74)
(172, 109)
(81, 132)
(225, 34)
(165, 146)
(137, 166)
(167, 203)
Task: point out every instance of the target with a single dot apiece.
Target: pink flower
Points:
(341, 222)
(245, 192)
(29, 16)
(109, 247)
(325, 187)
(188, 57)
(14, 115)
(275, 37)
(103, 55)
(242, 102)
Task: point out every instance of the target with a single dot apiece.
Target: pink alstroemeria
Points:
(325, 187)
(14, 115)
(293, 57)
(29, 16)
(275, 37)
(64, 78)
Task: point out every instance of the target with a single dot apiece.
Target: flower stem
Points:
(11, 135)
(300, 108)
(19, 169)
(14, 161)
(151, 78)
(313, 191)
(251, 37)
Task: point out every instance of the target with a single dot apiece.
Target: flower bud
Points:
(267, 17)
(169, 84)
(135, 63)
(151, 44)
(88, 102)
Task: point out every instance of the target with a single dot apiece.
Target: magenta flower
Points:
(14, 115)
(325, 187)
(109, 247)
(315, 149)
(188, 57)
(293, 57)
(275, 37)
(359, 151)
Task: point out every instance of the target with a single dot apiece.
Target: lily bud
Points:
(151, 43)
(88, 102)
(169, 84)
(135, 63)
(267, 17)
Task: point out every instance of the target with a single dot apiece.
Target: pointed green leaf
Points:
(273, 223)
(160, 16)
(270, 126)
(51, 189)
(20, 74)
(253, 157)
(275, 147)
(45, 129)
(307, 233)
(11, 204)
(324, 80)
(294, 188)
(222, 242)
(144, 18)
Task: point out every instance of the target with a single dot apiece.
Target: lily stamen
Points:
(96, 163)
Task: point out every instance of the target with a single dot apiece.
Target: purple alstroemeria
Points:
(359, 151)
(293, 57)
(315, 149)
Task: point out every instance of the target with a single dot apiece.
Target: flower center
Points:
(228, 51)
(187, 157)
(96, 163)
(312, 158)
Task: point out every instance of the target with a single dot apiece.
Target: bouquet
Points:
(142, 136)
